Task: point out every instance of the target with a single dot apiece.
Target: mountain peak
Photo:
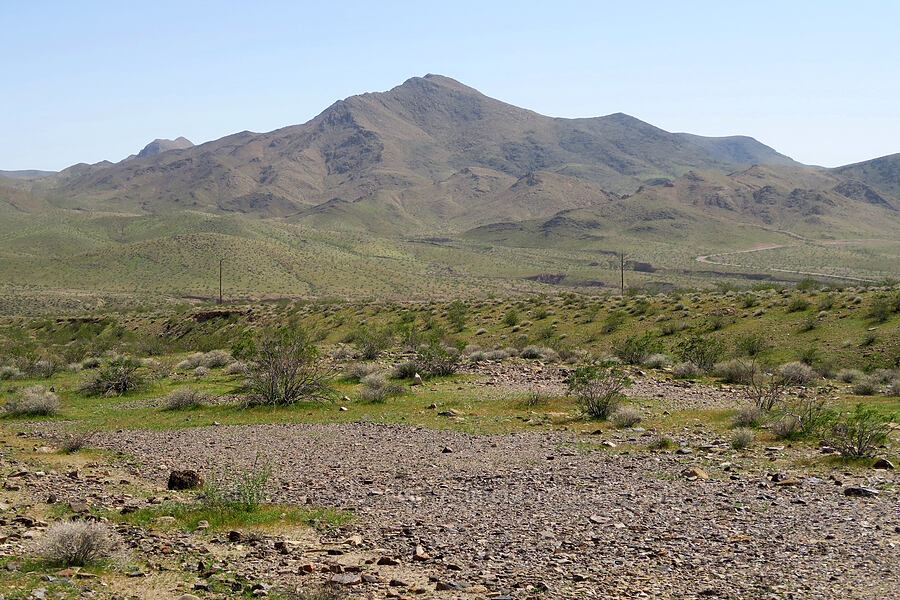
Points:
(162, 145)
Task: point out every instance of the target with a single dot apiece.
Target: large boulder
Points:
(185, 480)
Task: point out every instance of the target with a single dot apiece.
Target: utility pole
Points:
(221, 260)
(622, 270)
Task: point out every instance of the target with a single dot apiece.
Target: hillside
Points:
(434, 189)
(415, 135)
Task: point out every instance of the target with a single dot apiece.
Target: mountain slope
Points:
(882, 174)
(413, 136)
(163, 145)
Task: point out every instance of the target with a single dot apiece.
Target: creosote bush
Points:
(657, 361)
(77, 543)
(748, 416)
(244, 488)
(849, 375)
(283, 369)
(634, 349)
(859, 433)
(597, 390)
(118, 376)
(34, 401)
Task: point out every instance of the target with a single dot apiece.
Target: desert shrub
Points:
(534, 398)
(9, 372)
(539, 352)
(657, 361)
(215, 359)
(201, 371)
(742, 438)
(235, 368)
(880, 311)
(75, 441)
(865, 386)
(435, 360)
(634, 349)
(512, 318)
(496, 354)
(457, 315)
(242, 488)
(405, 370)
(284, 368)
(192, 361)
(686, 370)
(893, 388)
(359, 370)
(343, 353)
(314, 593)
(370, 343)
(859, 433)
(735, 371)
(625, 416)
(597, 390)
(885, 375)
(716, 322)
(786, 428)
(540, 313)
(811, 415)
(748, 416)
(808, 324)
(752, 345)
(660, 442)
(116, 377)
(77, 543)
(765, 391)
(797, 305)
(613, 321)
(797, 373)
(670, 327)
(34, 401)
(702, 351)
(375, 388)
(849, 375)
(184, 398)
(184, 365)
(477, 356)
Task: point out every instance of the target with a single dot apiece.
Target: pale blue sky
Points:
(83, 82)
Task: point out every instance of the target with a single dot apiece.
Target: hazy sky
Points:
(83, 82)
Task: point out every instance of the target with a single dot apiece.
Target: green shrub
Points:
(849, 375)
(9, 372)
(880, 311)
(634, 349)
(748, 416)
(118, 376)
(797, 305)
(512, 318)
(752, 345)
(657, 361)
(702, 351)
(284, 368)
(435, 360)
(242, 488)
(370, 343)
(859, 433)
(405, 370)
(457, 315)
(597, 390)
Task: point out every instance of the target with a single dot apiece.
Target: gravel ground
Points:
(512, 515)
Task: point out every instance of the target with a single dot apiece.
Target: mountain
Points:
(416, 135)
(26, 174)
(432, 189)
(880, 175)
(161, 145)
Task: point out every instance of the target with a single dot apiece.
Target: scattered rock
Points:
(883, 463)
(692, 473)
(861, 492)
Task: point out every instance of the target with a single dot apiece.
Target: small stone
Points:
(448, 413)
(188, 597)
(684, 451)
(307, 568)
(695, 473)
(165, 520)
(345, 579)
(135, 574)
(388, 561)
(234, 536)
(417, 379)
(398, 583)
(203, 525)
(447, 450)
(79, 507)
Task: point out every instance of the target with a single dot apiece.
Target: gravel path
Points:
(515, 514)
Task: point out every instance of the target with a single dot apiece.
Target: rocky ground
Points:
(536, 514)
